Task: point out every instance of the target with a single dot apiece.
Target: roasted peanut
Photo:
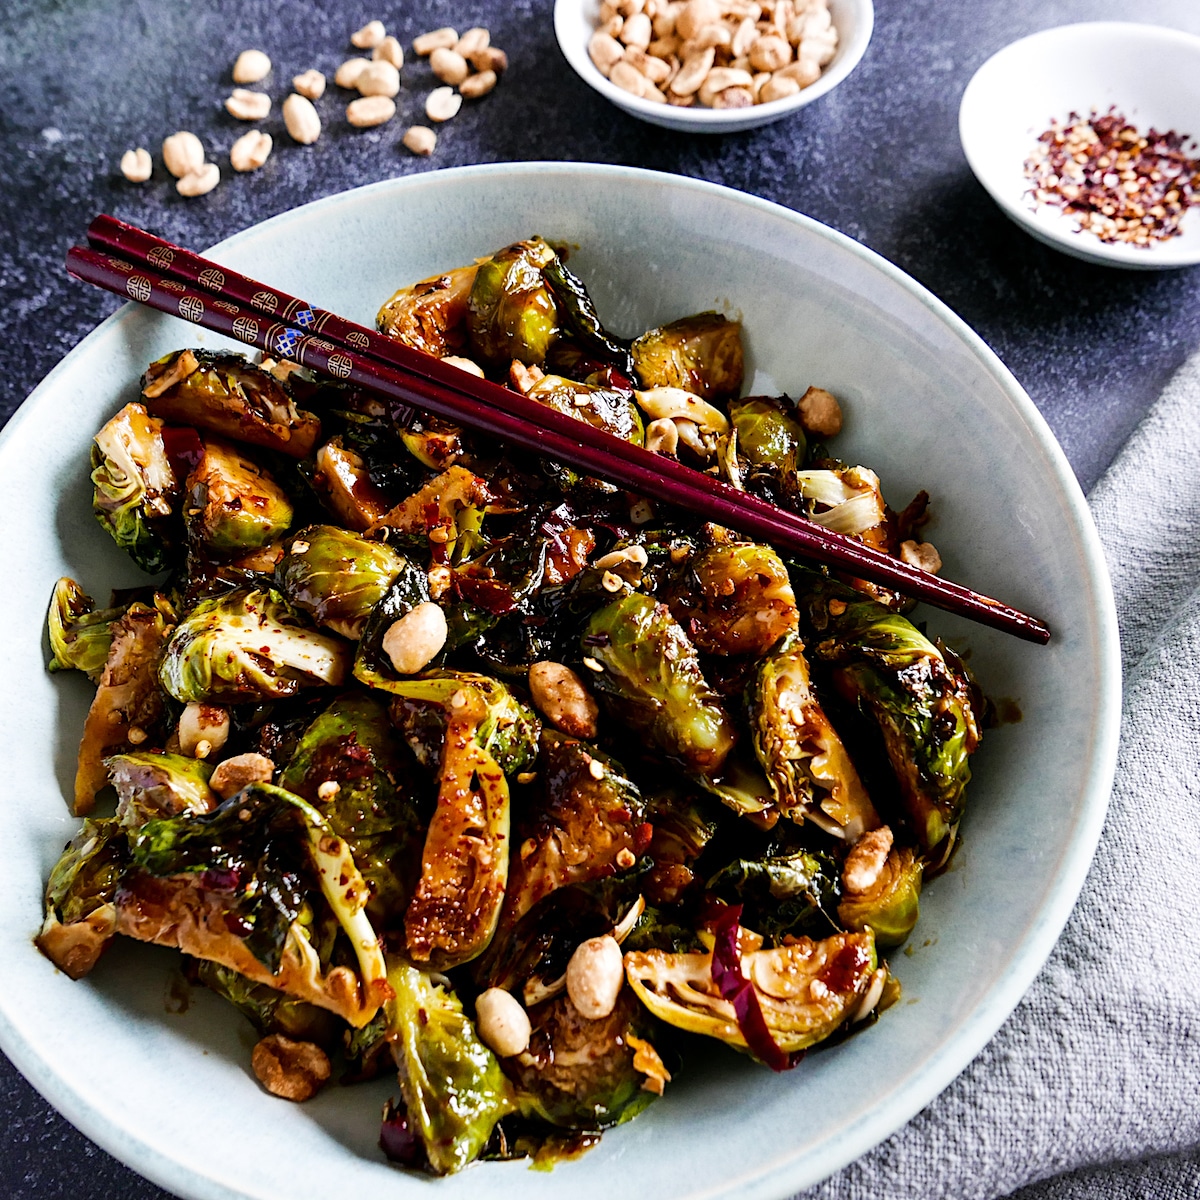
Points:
(250, 151)
(201, 182)
(252, 66)
(136, 165)
(246, 105)
(605, 52)
(477, 85)
(240, 771)
(368, 111)
(347, 74)
(205, 724)
(442, 103)
(637, 31)
(770, 53)
(310, 85)
(475, 39)
(456, 360)
(718, 80)
(560, 696)
(820, 413)
(301, 120)
(183, 154)
(415, 640)
(502, 1023)
(378, 79)
(922, 555)
(695, 15)
(595, 975)
(866, 860)
(490, 58)
(389, 50)
(369, 36)
(627, 77)
(775, 87)
(692, 73)
(427, 43)
(420, 139)
(733, 97)
(448, 65)
(289, 1069)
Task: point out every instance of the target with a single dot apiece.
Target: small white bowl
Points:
(1150, 74)
(575, 22)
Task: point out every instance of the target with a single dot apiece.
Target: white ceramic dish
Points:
(575, 22)
(1151, 75)
(928, 405)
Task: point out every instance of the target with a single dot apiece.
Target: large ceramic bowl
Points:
(170, 1091)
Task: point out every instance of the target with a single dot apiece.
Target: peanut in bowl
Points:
(725, 70)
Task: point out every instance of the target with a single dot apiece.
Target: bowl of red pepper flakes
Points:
(1088, 137)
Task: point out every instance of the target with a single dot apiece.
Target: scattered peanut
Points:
(136, 165)
(301, 119)
(346, 76)
(246, 105)
(820, 413)
(369, 36)
(560, 696)
(202, 723)
(595, 975)
(183, 154)
(490, 58)
(413, 641)
(502, 1023)
(455, 360)
(310, 85)
(448, 65)
(420, 139)
(370, 110)
(250, 151)
(866, 860)
(389, 50)
(292, 1070)
(427, 43)
(252, 66)
(475, 86)
(240, 771)
(201, 182)
(442, 103)
(378, 79)
(473, 41)
(922, 555)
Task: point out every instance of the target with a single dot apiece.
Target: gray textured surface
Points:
(879, 159)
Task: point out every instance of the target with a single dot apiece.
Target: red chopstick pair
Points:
(131, 262)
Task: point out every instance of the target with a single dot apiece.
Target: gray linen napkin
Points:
(1092, 1088)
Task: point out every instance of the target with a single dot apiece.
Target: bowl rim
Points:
(1160, 257)
(800, 1169)
(711, 119)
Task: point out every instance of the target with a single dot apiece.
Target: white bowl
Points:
(1151, 75)
(928, 405)
(575, 22)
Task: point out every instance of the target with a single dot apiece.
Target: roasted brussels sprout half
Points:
(232, 505)
(769, 434)
(889, 907)
(343, 482)
(651, 677)
(135, 490)
(701, 354)
(782, 895)
(337, 577)
(247, 645)
(225, 394)
(151, 784)
(604, 408)
(452, 1087)
(922, 702)
(80, 635)
(447, 510)
(511, 312)
(431, 315)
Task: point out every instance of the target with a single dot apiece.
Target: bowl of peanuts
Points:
(713, 66)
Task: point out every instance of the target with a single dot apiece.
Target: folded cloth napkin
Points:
(1092, 1088)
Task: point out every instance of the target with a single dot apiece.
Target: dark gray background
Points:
(81, 81)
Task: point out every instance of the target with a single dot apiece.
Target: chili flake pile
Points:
(1119, 184)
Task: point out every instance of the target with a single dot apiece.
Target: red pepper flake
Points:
(1117, 183)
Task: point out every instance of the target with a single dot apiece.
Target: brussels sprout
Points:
(891, 906)
(431, 315)
(81, 918)
(350, 745)
(128, 703)
(271, 1011)
(80, 635)
(605, 408)
(701, 354)
(783, 895)
(337, 577)
(453, 1089)
(150, 784)
(343, 483)
(581, 1074)
(511, 312)
(810, 773)
(921, 700)
(741, 786)
(372, 664)
(247, 645)
(226, 395)
(232, 505)
(742, 602)
(769, 435)
(806, 990)
(135, 489)
(683, 828)
(448, 510)
(580, 321)
(652, 682)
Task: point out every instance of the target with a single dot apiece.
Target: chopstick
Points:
(180, 283)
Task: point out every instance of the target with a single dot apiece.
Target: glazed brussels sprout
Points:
(269, 1010)
(511, 312)
(226, 395)
(431, 315)
(247, 645)
(344, 484)
(701, 354)
(783, 895)
(452, 1087)
(651, 676)
(605, 408)
(769, 434)
(80, 635)
(135, 491)
(232, 505)
(151, 784)
(337, 577)
(890, 906)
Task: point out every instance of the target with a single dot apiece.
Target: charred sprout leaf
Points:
(269, 1010)
(453, 1089)
(151, 784)
(431, 315)
(806, 990)
(810, 773)
(81, 918)
(350, 745)
(337, 577)
(741, 603)
(921, 701)
(701, 354)
(890, 907)
(80, 635)
(511, 312)
(247, 645)
(788, 895)
(127, 696)
(651, 680)
(769, 434)
(741, 785)
(605, 408)
(226, 395)
(135, 489)
(581, 1074)
(580, 321)
(232, 505)
(344, 484)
